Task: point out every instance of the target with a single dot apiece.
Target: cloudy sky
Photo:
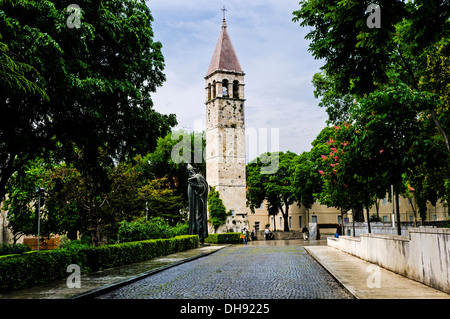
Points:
(272, 52)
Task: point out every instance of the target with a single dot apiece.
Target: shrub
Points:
(33, 269)
(225, 238)
(154, 228)
(181, 229)
(217, 211)
(9, 249)
(103, 257)
(28, 270)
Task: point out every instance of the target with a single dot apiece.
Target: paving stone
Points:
(238, 271)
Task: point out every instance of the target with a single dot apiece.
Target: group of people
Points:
(245, 235)
(268, 235)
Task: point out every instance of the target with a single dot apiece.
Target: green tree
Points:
(388, 121)
(21, 203)
(13, 74)
(306, 180)
(404, 64)
(162, 200)
(171, 155)
(337, 104)
(98, 78)
(275, 187)
(359, 60)
(217, 210)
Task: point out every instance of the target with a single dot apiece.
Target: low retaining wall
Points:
(423, 256)
(280, 235)
(375, 228)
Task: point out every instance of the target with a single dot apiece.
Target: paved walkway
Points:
(276, 270)
(103, 281)
(368, 281)
(362, 279)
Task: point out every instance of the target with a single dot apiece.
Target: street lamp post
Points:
(393, 206)
(39, 191)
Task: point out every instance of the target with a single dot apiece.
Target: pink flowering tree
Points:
(350, 181)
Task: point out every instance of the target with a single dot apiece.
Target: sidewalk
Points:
(103, 281)
(357, 275)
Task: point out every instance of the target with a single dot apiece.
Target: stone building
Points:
(225, 130)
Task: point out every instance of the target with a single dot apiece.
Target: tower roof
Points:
(224, 57)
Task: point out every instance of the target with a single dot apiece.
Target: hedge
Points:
(29, 270)
(11, 249)
(225, 238)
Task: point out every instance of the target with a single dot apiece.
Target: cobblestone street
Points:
(258, 270)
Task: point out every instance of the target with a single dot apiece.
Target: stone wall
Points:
(375, 228)
(424, 255)
(280, 235)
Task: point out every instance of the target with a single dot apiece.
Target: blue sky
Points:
(271, 50)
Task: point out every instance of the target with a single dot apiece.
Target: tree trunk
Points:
(285, 217)
(366, 203)
(95, 232)
(397, 204)
(377, 205)
(358, 213)
(441, 130)
(368, 218)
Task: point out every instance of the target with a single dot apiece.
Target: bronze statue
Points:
(198, 197)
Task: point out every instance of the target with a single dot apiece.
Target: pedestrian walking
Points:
(266, 232)
(244, 235)
(338, 230)
(305, 232)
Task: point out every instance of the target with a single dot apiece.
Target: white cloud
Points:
(271, 49)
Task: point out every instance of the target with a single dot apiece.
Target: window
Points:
(281, 222)
(213, 90)
(314, 219)
(225, 88)
(300, 223)
(385, 219)
(385, 200)
(339, 219)
(209, 91)
(290, 221)
(257, 225)
(236, 89)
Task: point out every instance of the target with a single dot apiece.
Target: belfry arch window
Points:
(236, 89)
(213, 90)
(225, 87)
(209, 91)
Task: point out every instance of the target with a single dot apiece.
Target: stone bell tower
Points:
(225, 130)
